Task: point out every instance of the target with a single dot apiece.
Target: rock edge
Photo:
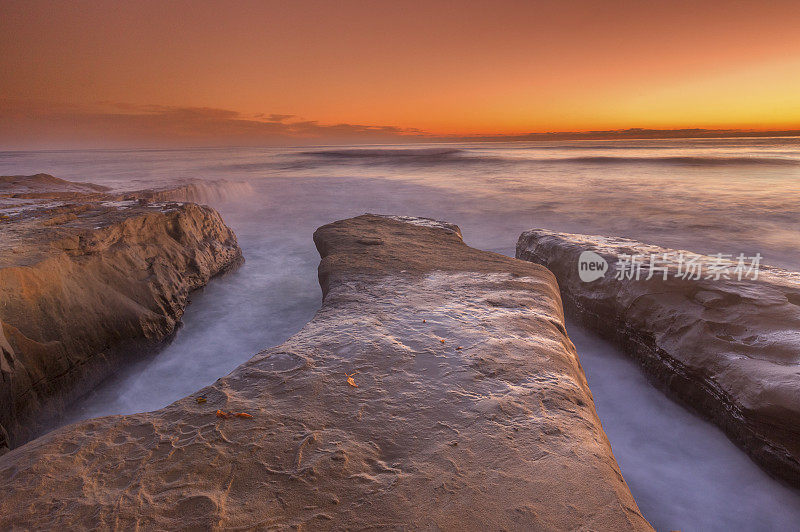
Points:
(729, 349)
(89, 284)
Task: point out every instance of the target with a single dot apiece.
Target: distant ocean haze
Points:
(705, 195)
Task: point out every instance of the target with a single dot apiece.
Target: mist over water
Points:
(683, 472)
(709, 196)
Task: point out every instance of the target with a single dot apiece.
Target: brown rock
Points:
(727, 348)
(85, 285)
(501, 435)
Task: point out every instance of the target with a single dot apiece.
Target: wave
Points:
(455, 155)
(423, 157)
(249, 167)
(680, 160)
(371, 153)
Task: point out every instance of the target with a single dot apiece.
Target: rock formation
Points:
(22, 193)
(436, 388)
(86, 281)
(39, 185)
(728, 348)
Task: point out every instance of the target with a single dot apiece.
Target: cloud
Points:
(38, 124)
(110, 124)
(279, 118)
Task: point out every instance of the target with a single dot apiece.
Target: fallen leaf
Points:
(351, 381)
(459, 348)
(442, 340)
(200, 400)
(227, 415)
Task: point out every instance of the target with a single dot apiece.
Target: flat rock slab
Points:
(42, 195)
(467, 408)
(729, 348)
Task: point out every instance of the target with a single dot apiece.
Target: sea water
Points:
(710, 196)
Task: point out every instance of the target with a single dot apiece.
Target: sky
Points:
(238, 72)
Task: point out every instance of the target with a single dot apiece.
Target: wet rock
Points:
(22, 185)
(501, 434)
(728, 348)
(87, 283)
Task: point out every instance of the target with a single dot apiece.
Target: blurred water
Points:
(729, 196)
(710, 196)
(684, 473)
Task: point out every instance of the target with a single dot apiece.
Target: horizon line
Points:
(597, 135)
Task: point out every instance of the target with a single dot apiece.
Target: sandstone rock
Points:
(727, 348)
(88, 283)
(41, 183)
(21, 194)
(500, 434)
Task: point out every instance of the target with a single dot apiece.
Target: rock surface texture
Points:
(436, 388)
(728, 348)
(86, 282)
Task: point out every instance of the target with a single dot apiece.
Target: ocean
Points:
(709, 196)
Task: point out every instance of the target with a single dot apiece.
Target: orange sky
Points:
(204, 72)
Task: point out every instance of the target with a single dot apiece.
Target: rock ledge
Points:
(730, 349)
(86, 283)
(467, 409)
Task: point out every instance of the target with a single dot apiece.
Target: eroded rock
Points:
(468, 409)
(728, 348)
(88, 282)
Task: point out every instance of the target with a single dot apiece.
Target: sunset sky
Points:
(185, 73)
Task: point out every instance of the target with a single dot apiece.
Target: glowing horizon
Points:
(262, 72)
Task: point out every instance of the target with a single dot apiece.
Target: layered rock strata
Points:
(727, 347)
(87, 284)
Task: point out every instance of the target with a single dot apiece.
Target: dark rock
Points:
(728, 348)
